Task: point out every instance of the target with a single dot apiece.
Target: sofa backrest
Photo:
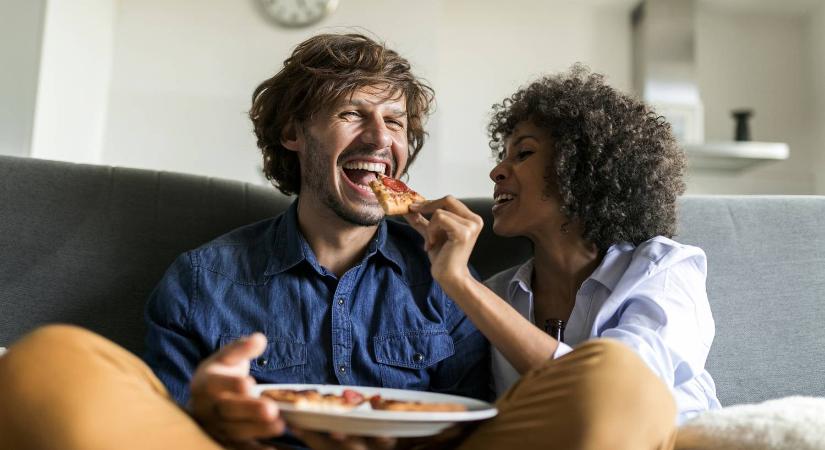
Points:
(766, 285)
(85, 244)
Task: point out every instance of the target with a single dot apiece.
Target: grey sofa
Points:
(85, 244)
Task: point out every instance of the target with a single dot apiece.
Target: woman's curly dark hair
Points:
(321, 70)
(617, 166)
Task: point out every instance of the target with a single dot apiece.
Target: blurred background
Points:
(166, 84)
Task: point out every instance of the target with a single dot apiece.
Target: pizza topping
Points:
(353, 397)
(382, 404)
(311, 399)
(395, 185)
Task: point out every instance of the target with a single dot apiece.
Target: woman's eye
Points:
(523, 154)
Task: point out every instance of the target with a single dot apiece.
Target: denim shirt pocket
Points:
(404, 357)
(282, 361)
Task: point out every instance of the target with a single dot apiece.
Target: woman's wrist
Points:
(458, 286)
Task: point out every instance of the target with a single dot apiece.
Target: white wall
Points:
(165, 84)
(816, 56)
(487, 50)
(755, 61)
(73, 84)
(21, 28)
(184, 71)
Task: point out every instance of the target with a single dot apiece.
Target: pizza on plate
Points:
(311, 399)
(383, 404)
(314, 400)
(393, 195)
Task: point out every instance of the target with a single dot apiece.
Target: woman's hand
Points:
(222, 400)
(449, 235)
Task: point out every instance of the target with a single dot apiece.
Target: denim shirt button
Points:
(418, 357)
(342, 369)
(262, 361)
(340, 301)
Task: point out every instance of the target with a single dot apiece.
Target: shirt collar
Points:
(608, 273)
(386, 247)
(289, 247)
(611, 269)
(522, 279)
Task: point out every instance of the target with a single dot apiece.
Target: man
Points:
(342, 296)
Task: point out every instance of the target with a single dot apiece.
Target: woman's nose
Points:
(498, 173)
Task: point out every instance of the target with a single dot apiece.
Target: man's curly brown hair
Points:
(617, 166)
(321, 70)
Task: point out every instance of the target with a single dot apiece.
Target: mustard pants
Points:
(62, 387)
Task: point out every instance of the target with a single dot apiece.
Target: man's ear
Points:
(292, 137)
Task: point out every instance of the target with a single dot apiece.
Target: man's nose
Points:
(376, 133)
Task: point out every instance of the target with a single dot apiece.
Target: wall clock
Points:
(297, 13)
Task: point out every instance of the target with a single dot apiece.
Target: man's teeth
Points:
(368, 166)
(503, 197)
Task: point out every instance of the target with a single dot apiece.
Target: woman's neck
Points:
(562, 262)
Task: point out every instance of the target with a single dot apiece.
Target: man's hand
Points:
(222, 400)
(337, 441)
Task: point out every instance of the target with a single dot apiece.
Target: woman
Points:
(591, 177)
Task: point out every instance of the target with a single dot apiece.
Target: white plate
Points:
(364, 421)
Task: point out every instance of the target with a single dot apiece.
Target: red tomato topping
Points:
(353, 397)
(395, 185)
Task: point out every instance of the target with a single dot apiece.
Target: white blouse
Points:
(652, 298)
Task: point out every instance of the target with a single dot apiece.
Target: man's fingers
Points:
(333, 441)
(245, 409)
(241, 351)
(245, 430)
(217, 384)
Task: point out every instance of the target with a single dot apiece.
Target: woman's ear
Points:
(292, 137)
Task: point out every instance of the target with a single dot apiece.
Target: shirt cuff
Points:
(562, 350)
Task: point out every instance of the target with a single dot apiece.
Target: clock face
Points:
(298, 13)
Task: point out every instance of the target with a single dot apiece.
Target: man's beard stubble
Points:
(315, 170)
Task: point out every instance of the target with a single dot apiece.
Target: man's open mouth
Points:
(360, 173)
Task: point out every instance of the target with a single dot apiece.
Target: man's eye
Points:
(396, 124)
(350, 114)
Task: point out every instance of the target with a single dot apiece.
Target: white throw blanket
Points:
(790, 423)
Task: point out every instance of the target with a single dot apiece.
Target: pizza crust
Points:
(394, 202)
(382, 404)
(313, 400)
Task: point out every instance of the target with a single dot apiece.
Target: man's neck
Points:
(338, 245)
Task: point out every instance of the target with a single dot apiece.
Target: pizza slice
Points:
(383, 404)
(393, 195)
(311, 399)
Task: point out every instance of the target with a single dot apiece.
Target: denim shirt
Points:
(385, 322)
